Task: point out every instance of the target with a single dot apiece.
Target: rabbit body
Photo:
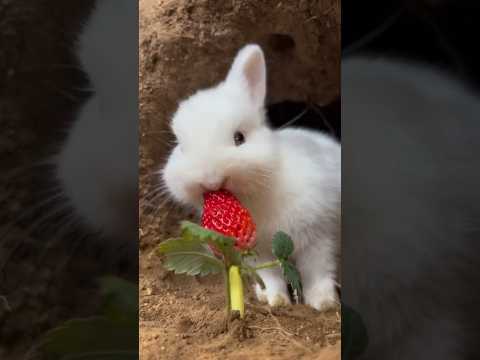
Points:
(289, 179)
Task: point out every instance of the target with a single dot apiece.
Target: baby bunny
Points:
(289, 179)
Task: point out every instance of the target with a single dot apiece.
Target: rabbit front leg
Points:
(317, 265)
(276, 291)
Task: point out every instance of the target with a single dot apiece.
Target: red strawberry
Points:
(222, 212)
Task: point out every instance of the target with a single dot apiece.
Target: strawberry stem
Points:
(236, 290)
(268, 265)
(227, 293)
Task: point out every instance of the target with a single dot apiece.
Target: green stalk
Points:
(227, 293)
(268, 265)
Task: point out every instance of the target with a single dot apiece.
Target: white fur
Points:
(289, 179)
(97, 165)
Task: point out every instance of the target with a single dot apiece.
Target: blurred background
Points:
(436, 32)
(50, 260)
(410, 201)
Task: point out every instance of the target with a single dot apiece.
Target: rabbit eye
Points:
(239, 138)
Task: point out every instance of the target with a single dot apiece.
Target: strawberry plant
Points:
(113, 334)
(222, 244)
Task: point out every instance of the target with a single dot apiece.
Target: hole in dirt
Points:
(312, 116)
(281, 42)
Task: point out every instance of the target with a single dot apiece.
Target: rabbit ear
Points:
(249, 70)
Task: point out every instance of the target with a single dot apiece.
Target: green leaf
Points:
(78, 337)
(224, 244)
(121, 299)
(282, 245)
(192, 231)
(189, 256)
(193, 263)
(113, 335)
(354, 334)
(177, 245)
(233, 256)
(292, 276)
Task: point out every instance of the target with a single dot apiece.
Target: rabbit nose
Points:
(213, 184)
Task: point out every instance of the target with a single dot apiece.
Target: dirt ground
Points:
(181, 317)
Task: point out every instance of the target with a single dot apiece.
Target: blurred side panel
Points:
(68, 179)
(410, 196)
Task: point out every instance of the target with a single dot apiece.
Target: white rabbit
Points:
(97, 165)
(289, 179)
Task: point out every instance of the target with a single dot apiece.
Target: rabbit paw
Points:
(273, 295)
(322, 295)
